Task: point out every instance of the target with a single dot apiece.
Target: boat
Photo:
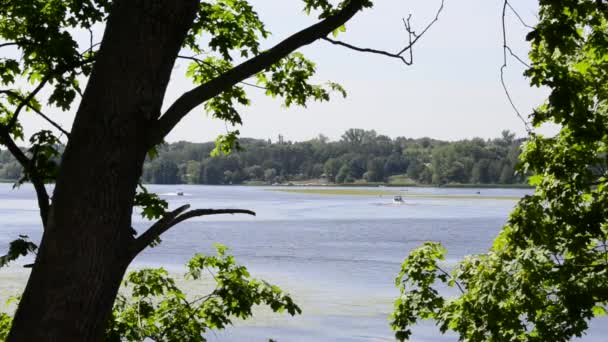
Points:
(398, 200)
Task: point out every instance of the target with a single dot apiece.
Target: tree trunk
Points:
(85, 247)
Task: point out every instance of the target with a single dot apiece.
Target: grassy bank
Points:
(349, 192)
(405, 195)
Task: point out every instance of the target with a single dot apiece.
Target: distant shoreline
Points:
(355, 185)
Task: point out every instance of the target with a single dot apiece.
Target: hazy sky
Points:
(451, 92)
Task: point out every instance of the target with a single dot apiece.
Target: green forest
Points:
(359, 157)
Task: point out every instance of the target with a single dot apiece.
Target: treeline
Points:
(360, 156)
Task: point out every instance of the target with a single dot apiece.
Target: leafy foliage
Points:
(154, 307)
(153, 207)
(545, 276)
(5, 325)
(44, 157)
(151, 305)
(418, 299)
(327, 8)
(231, 25)
(225, 144)
(18, 248)
(290, 79)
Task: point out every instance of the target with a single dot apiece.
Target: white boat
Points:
(398, 200)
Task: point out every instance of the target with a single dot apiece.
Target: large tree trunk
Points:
(84, 250)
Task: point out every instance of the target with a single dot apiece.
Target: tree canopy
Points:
(545, 276)
(380, 159)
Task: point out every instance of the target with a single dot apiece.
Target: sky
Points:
(451, 92)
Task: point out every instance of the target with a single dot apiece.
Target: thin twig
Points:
(45, 117)
(521, 20)
(449, 275)
(413, 37)
(26, 102)
(506, 49)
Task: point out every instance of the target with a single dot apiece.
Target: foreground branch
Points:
(26, 102)
(29, 105)
(189, 100)
(203, 62)
(26, 163)
(173, 218)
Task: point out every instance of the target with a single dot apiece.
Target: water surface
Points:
(337, 255)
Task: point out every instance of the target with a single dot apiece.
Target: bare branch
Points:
(521, 20)
(189, 100)
(412, 35)
(173, 218)
(506, 49)
(206, 212)
(368, 50)
(8, 44)
(517, 58)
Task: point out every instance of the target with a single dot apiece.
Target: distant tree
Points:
(506, 175)
(165, 172)
(456, 173)
(270, 175)
(354, 136)
(425, 176)
(479, 173)
(375, 170)
(344, 175)
(395, 164)
(193, 171)
(255, 172)
(11, 170)
(211, 174)
(331, 168)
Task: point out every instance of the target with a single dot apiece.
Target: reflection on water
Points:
(337, 255)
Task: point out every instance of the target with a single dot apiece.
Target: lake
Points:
(338, 255)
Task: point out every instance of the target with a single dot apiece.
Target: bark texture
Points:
(84, 250)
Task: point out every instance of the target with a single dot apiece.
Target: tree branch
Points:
(173, 218)
(449, 275)
(189, 100)
(8, 44)
(45, 117)
(507, 50)
(41, 193)
(200, 61)
(413, 38)
(26, 102)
